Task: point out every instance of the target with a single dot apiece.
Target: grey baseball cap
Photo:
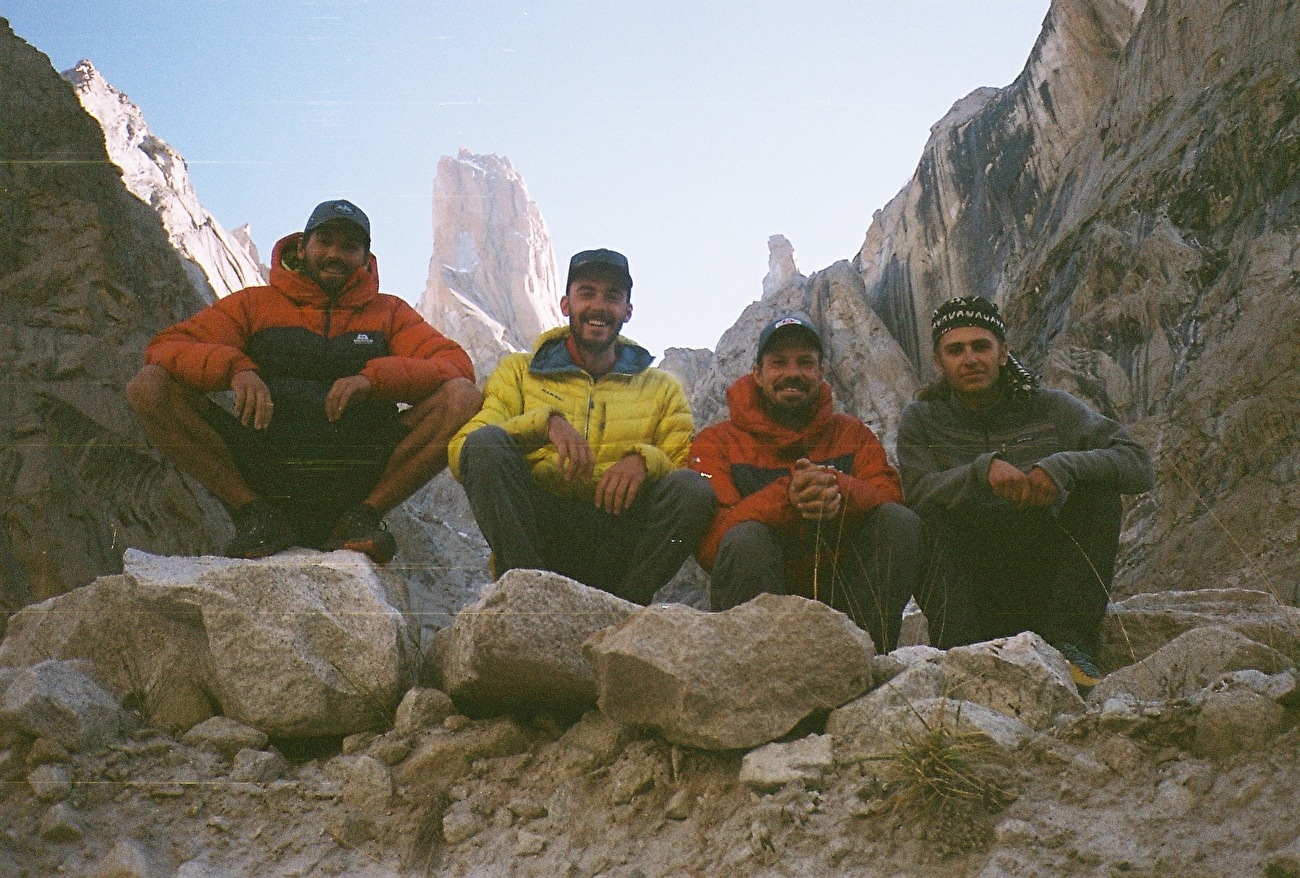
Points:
(338, 209)
(607, 258)
(788, 322)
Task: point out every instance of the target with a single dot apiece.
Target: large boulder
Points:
(1021, 676)
(1136, 627)
(294, 645)
(1188, 664)
(520, 645)
(735, 679)
(885, 729)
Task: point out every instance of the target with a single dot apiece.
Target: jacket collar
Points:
(551, 356)
(302, 290)
(747, 414)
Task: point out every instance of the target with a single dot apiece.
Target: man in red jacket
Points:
(808, 503)
(316, 451)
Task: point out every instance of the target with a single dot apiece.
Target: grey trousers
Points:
(631, 555)
(880, 563)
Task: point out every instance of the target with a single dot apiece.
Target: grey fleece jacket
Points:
(945, 449)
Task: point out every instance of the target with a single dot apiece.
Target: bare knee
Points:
(448, 408)
(152, 391)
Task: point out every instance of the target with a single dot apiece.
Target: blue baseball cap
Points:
(338, 209)
(600, 257)
(789, 321)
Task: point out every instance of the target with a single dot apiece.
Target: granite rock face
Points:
(217, 261)
(87, 276)
(493, 284)
(1130, 202)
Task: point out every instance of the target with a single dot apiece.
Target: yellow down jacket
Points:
(635, 408)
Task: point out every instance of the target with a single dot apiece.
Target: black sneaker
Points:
(362, 529)
(1082, 669)
(260, 530)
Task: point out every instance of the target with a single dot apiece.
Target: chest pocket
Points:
(295, 352)
(1027, 444)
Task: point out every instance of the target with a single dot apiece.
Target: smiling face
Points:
(789, 375)
(331, 253)
(971, 358)
(597, 305)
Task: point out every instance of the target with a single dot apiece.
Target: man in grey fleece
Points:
(1020, 485)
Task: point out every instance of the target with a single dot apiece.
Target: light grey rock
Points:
(1283, 687)
(1021, 676)
(391, 748)
(774, 765)
(1138, 626)
(528, 843)
(127, 859)
(520, 644)
(51, 782)
(886, 667)
(920, 683)
(728, 680)
(493, 284)
(54, 699)
(460, 823)
(60, 824)
(225, 735)
(257, 766)
(860, 735)
(369, 786)
(1233, 721)
(421, 709)
(1188, 664)
(442, 756)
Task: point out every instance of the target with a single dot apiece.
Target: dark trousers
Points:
(631, 555)
(868, 573)
(1029, 570)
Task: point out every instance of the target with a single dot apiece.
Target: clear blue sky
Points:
(682, 133)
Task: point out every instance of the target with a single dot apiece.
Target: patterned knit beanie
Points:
(978, 311)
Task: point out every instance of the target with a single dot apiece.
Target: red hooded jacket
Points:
(413, 359)
(749, 460)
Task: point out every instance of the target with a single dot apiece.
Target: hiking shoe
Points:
(362, 529)
(1083, 671)
(260, 530)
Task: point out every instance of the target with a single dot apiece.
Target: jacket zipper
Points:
(327, 319)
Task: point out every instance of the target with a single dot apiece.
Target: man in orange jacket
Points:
(808, 504)
(316, 451)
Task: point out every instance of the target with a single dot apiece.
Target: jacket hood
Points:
(288, 279)
(551, 355)
(747, 413)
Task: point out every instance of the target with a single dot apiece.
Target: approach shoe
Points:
(1083, 671)
(362, 529)
(260, 530)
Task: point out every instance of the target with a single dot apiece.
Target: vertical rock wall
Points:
(86, 277)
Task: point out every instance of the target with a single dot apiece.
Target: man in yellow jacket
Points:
(574, 464)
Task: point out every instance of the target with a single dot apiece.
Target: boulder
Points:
(728, 680)
(294, 645)
(775, 765)
(443, 756)
(520, 645)
(257, 766)
(1235, 720)
(422, 709)
(1136, 627)
(1021, 676)
(225, 735)
(56, 700)
(1188, 664)
(860, 734)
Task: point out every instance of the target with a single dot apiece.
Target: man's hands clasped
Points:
(1008, 482)
(814, 490)
(620, 483)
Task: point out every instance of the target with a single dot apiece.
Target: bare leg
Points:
(423, 453)
(169, 413)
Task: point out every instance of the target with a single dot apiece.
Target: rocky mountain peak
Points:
(782, 265)
(218, 262)
(493, 283)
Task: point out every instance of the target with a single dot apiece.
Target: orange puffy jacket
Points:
(204, 351)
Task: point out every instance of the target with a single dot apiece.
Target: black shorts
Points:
(312, 468)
